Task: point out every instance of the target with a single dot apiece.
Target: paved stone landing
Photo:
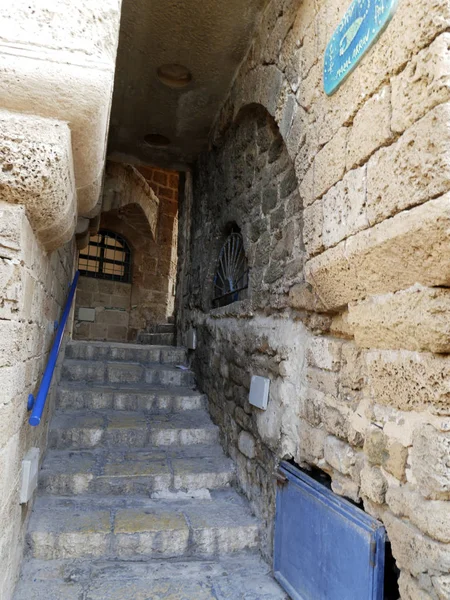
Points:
(135, 494)
(241, 577)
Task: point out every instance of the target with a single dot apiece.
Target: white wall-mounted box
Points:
(191, 339)
(86, 314)
(30, 468)
(259, 392)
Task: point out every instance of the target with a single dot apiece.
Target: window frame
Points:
(102, 260)
(242, 284)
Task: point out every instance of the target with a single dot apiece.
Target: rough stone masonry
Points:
(344, 207)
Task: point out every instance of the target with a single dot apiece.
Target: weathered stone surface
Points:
(422, 85)
(246, 444)
(430, 458)
(432, 517)
(344, 208)
(373, 484)
(302, 297)
(413, 551)
(407, 249)
(329, 164)
(339, 455)
(37, 171)
(345, 486)
(410, 588)
(414, 319)
(413, 169)
(68, 52)
(365, 137)
(395, 462)
(324, 353)
(409, 380)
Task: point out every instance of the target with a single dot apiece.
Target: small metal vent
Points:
(231, 277)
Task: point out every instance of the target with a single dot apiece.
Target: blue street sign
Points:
(360, 28)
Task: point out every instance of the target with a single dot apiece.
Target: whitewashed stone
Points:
(430, 458)
(246, 444)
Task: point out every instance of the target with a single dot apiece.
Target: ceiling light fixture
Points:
(174, 75)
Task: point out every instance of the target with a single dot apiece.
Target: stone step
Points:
(137, 429)
(134, 528)
(241, 576)
(146, 472)
(157, 339)
(161, 328)
(124, 373)
(154, 399)
(109, 351)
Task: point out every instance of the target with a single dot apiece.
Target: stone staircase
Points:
(135, 498)
(161, 335)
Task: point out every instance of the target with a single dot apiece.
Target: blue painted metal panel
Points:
(360, 28)
(325, 547)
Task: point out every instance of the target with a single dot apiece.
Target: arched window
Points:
(231, 278)
(107, 256)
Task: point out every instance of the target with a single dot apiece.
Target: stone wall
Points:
(345, 216)
(125, 310)
(33, 290)
(111, 302)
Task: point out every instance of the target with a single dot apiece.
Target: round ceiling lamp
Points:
(174, 75)
(156, 139)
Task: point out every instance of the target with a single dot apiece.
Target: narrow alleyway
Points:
(136, 497)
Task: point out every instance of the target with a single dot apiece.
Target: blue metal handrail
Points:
(38, 405)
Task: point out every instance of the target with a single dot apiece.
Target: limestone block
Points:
(413, 551)
(11, 229)
(125, 185)
(416, 23)
(339, 455)
(395, 462)
(442, 586)
(37, 171)
(313, 228)
(414, 169)
(329, 164)
(344, 208)
(410, 589)
(11, 288)
(430, 459)
(30, 85)
(375, 446)
(302, 297)
(311, 443)
(246, 444)
(412, 247)
(423, 84)
(409, 380)
(415, 319)
(373, 484)
(345, 486)
(432, 517)
(324, 353)
(64, 25)
(340, 326)
(371, 128)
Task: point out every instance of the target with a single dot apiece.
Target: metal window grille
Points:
(231, 278)
(107, 256)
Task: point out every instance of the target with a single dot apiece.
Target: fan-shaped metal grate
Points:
(232, 271)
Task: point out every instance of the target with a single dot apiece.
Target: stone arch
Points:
(124, 185)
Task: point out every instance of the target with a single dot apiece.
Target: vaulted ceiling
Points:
(210, 39)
